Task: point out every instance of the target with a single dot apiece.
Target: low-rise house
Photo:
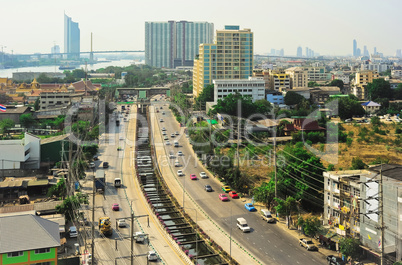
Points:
(28, 239)
(303, 125)
(371, 106)
(14, 112)
(320, 95)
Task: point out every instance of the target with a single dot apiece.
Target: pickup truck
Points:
(334, 260)
(308, 244)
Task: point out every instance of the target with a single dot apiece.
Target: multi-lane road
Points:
(267, 242)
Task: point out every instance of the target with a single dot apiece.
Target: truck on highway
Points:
(308, 244)
(100, 181)
(105, 226)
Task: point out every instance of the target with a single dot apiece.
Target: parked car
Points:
(176, 163)
(233, 194)
(203, 175)
(172, 135)
(180, 153)
(115, 207)
(208, 188)
(164, 133)
(267, 216)
(193, 177)
(334, 260)
(223, 197)
(105, 164)
(72, 232)
(121, 223)
(226, 189)
(160, 120)
(165, 138)
(163, 129)
(177, 133)
(92, 165)
(180, 173)
(250, 207)
(167, 142)
(307, 243)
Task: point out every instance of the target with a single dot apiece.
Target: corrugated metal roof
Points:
(27, 232)
(14, 184)
(39, 182)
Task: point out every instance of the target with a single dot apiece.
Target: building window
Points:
(41, 263)
(15, 254)
(42, 250)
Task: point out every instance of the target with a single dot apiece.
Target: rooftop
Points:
(27, 232)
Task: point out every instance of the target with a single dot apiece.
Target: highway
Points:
(121, 166)
(267, 242)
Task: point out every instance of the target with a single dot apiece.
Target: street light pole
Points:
(93, 216)
(184, 188)
(230, 237)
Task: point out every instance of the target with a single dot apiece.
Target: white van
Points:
(242, 225)
(139, 237)
(73, 231)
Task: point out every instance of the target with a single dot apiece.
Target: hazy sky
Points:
(327, 27)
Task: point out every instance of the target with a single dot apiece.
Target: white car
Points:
(73, 231)
(164, 133)
(171, 156)
(180, 173)
(203, 175)
(180, 153)
(167, 142)
(161, 120)
(92, 165)
(177, 133)
(152, 256)
(172, 135)
(163, 129)
(165, 138)
(121, 223)
(176, 163)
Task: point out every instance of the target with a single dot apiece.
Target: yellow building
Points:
(298, 77)
(279, 80)
(359, 88)
(230, 57)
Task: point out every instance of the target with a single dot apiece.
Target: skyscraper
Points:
(307, 53)
(358, 52)
(365, 51)
(354, 48)
(71, 38)
(375, 50)
(171, 44)
(230, 57)
(299, 52)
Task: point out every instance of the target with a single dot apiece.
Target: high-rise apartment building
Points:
(175, 43)
(71, 38)
(298, 77)
(359, 88)
(299, 51)
(230, 57)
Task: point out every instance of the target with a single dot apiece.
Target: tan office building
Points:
(298, 77)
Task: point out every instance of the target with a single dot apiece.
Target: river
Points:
(55, 68)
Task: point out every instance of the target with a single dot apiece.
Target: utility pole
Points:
(132, 235)
(382, 227)
(276, 179)
(93, 216)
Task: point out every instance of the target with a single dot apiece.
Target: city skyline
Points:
(328, 28)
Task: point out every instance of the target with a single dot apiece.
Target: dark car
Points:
(105, 164)
(333, 260)
(208, 187)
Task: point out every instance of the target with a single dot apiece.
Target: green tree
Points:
(229, 105)
(349, 247)
(263, 106)
(312, 84)
(37, 104)
(398, 92)
(265, 193)
(379, 88)
(349, 107)
(206, 95)
(78, 73)
(58, 190)
(337, 82)
(311, 225)
(286, 207)
(375, 121)
(71, 204)
(357, 163)
(43, 78)
(27, 120)
(292, 98)
(5, 125)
